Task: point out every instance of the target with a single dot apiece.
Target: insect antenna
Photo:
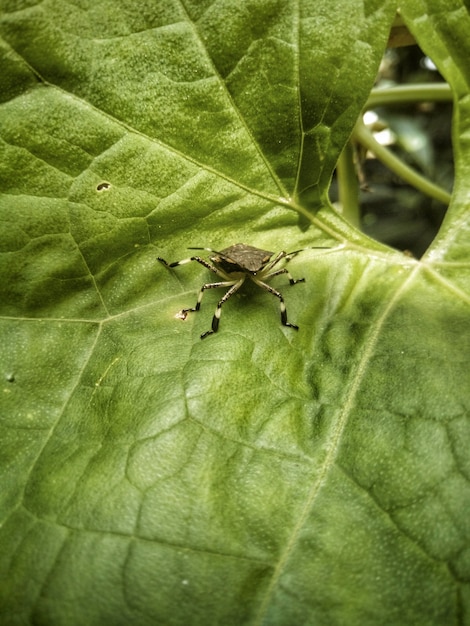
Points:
(289, 255)
(208, 249)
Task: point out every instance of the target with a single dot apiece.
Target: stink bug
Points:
(234, 264)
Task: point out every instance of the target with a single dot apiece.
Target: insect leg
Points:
(198, 259)
(266, 272)
(202, 290)
(215, 320)
(281, 300)
(292, 281)
(273, 262)
(288, 256)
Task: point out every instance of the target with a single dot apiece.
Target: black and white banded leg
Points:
(198, 259)
(218, 311)
(279, 295)
(201, 293)
(292, 281)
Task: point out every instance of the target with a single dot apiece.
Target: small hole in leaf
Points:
(103, 186)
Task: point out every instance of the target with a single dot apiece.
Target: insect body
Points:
(235, 264)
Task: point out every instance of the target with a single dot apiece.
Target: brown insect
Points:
(235, 264)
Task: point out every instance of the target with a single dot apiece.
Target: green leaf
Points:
(263, 475)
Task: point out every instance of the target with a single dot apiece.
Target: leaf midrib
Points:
(333, 441)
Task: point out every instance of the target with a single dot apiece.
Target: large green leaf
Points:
(263, 475)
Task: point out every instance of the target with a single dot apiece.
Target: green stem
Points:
(366, 138)
(347, 186)
(439, 92)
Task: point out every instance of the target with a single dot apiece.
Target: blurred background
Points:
(419, 133)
